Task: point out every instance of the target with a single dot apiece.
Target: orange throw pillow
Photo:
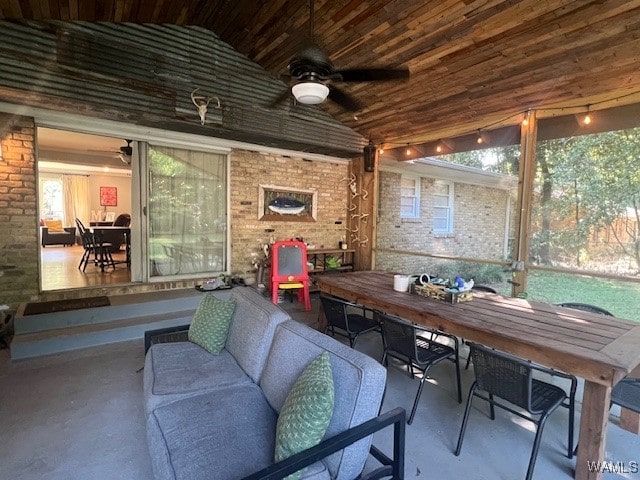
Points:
(54, 225)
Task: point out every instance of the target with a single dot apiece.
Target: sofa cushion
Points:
(306, 412)
(177, 370)
(210, 325)
(358, 380)
(252, 328)
(226, 434)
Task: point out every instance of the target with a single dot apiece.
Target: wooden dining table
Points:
(600, 349)
(99, 231)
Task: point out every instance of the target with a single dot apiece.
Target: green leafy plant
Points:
(332, 262)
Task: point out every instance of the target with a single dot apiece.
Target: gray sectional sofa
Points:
(214, 417)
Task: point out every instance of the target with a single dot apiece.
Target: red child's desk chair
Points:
(289, 270)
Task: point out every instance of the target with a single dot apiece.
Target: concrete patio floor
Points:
(79, 415)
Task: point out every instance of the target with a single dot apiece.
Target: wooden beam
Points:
(362, 212)
(527, 171)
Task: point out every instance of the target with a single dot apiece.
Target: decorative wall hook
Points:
(202, 103)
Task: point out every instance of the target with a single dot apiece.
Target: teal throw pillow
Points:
(306, 412)
(210, 325)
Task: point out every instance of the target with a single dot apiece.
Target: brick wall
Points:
(479, 215)
(19, 250)
(19, 231)
(251, 169)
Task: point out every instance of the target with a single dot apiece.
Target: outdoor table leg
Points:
(593, 429)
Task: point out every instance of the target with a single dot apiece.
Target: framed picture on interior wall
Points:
(108, 196)
(283, 204)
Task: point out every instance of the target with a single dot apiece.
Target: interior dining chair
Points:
(96, 247)
(347, 319)
(289, 270)
(419, 348)
(88, 245)
(511, 379)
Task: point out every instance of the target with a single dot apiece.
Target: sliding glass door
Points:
(187, 212)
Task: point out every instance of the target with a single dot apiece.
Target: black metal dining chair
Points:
(347, 319)
(626, 393)
(585, 307)
(418, 348)
(478, 288)
(511, 379)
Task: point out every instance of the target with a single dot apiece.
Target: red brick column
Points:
(18, 211)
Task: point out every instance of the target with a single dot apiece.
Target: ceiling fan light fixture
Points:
(310, 93)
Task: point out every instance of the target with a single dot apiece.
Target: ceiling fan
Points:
(314, 76)
(126, 151)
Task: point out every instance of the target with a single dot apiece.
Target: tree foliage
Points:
(588, 186)
(503, 160)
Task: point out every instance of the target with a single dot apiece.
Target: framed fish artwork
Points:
(284, 204)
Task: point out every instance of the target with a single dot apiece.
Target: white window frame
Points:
(415, 213)
(450, 198)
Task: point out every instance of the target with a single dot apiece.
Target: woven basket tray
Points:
(437, 293)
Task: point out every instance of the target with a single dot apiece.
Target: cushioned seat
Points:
(53, 233)
(183, 369)
(192, 448)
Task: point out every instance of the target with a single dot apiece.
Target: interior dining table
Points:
(99, 233)
(600, 349)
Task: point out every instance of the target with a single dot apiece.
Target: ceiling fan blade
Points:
(280, 98)
(373, 74)
(343, 99)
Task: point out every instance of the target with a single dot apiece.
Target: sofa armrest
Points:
(165, 335)
(71, 230)
(393, 468)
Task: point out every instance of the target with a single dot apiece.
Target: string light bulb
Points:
(381, 150)
(587, 118)
(479, 140)
(438, 148)
(407, 152)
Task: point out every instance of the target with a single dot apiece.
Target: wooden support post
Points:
(527, 171)
(362, 213)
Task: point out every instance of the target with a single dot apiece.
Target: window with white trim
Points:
(409, 197)
(443, 207)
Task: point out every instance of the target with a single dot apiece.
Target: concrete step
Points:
(127, 318)
(71, 338)
(122, 307)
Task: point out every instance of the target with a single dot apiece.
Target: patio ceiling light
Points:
(310, 93)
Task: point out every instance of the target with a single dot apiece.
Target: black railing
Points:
(392, 468)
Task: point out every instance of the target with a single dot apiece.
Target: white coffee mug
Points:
(401, 283)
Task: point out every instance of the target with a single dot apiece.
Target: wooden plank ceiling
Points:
(473, 63)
